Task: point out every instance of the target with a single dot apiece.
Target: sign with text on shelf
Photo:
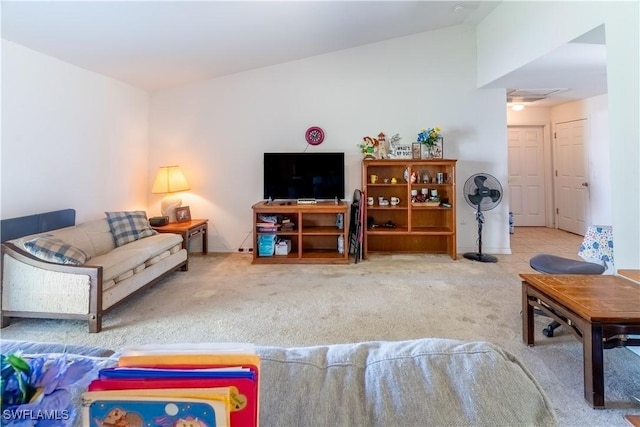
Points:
(402, 152)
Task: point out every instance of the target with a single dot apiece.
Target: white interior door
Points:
(526, 175)
(572, 185)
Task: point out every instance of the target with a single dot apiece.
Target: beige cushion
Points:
(98, 236)
(132, 255)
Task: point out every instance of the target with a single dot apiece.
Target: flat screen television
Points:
(295, 176)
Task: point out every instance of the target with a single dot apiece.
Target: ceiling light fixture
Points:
(517, 107)
(458, 8)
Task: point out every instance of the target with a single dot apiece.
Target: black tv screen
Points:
(304, 176)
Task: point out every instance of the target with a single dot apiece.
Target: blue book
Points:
(136, 373)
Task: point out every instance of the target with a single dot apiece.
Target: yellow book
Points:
(190, 355)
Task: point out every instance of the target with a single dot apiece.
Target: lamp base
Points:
(168, 207)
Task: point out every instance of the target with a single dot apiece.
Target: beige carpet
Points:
(388, 297)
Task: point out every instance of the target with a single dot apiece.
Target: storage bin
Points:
(283, 247)
(266, 244)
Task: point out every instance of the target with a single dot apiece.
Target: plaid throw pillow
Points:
(128, 227)
(55, 250)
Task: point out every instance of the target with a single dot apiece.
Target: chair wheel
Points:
(548, 332)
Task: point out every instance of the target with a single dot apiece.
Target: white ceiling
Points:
(160, 44)
(576, 70)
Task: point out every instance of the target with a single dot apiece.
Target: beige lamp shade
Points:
(170, 179)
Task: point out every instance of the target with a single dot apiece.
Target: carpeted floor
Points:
(223, 297)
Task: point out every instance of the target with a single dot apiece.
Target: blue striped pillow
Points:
(130, 226)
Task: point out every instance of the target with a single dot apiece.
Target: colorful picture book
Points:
(200, 385)
(139, 410)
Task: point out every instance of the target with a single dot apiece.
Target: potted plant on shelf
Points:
(430, 140)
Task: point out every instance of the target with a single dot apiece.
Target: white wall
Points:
(218, 130)
(506, 41)
(70, 138)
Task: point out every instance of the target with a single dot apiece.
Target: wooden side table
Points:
(188, 230)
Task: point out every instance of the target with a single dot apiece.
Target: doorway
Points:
(527, 193)
(548, 176)
(572, 177)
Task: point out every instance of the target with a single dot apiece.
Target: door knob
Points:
(585, 184)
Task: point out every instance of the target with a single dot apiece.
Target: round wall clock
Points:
(314, 135)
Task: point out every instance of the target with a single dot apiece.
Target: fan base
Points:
(476, 256)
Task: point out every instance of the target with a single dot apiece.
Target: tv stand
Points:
(314, 236)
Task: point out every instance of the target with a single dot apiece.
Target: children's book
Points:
(243, 393)
(177, 372)
(220, 394)
(139, 411)
(190, 355)
(189, 348)
(232, 366)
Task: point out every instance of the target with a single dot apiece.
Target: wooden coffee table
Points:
(598, 310)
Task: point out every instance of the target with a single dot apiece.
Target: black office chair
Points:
(552, 264)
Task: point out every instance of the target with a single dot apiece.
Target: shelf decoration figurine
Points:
(431, 143)
(383, 146)
(369, 147)
(394, 142)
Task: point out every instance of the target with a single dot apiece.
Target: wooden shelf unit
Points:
(418, 227)
(314, 238)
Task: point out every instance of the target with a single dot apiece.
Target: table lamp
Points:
(170, 179)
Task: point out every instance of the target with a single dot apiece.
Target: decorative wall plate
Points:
(314, 135)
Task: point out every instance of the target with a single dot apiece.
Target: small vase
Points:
(426, 151)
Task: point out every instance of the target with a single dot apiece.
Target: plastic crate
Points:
(266, 244)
